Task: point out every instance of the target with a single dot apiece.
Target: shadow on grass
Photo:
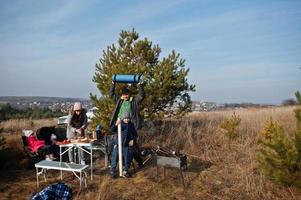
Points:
(10, 159)
(101, 171)
(197, 165)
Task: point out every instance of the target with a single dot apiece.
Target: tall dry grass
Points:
(17, 125)
(13, 156)
(217, 169)
(233, 173)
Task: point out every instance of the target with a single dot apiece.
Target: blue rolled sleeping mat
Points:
(126, 78)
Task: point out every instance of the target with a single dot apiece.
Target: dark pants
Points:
(136, 152)
(126, 157)
(49, 149)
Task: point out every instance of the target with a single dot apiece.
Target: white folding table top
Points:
(60, 166)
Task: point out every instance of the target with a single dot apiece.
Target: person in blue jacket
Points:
(129, 134)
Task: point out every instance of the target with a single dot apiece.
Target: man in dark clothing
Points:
(44, 133)
(127, 103)
(128, 134)
(47, 132)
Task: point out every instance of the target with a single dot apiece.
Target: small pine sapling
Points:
(230, 125)
(279, 157)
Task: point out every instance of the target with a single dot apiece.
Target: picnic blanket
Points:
(58, 191)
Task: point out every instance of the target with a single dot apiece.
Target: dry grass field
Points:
(219, 168)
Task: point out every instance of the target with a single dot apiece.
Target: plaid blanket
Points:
(58, 191)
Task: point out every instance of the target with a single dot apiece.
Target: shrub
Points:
(270, 127)
(279, 157)
(230, 125)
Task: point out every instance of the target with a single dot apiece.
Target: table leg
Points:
(80, 180)
(91, 157)
(61, 161)
(60, 154)
(105, 151)
(44, 174)
(106, 160)
(85, 177)
(182, 177)
(79, 155)
(37, 171)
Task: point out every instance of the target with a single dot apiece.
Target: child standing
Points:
(129, 134)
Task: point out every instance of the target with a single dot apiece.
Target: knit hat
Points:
(126, 115)
(27, 133)
(125, 90)
(77, 106)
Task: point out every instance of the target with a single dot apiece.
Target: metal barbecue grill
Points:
(167, 158)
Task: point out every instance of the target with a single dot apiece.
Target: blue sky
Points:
(237, 51)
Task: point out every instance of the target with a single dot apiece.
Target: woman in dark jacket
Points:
(77, 122)
(76, 128)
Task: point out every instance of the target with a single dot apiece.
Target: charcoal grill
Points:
(167, 158)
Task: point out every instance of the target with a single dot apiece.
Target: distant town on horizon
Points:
(63, 104)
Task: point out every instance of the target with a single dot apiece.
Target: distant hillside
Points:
(28, 99)
(53, 103)
(211, 106)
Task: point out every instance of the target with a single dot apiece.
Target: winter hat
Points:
(125, 90)
(77, 106)
(27, 133)
(126, 115)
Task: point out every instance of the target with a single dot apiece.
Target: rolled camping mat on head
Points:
(126, 78)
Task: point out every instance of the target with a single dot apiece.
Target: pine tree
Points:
(229, 125)
(298, 130)
(298, 110)
(279, 157)
(165, 81)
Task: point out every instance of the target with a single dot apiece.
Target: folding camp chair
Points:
(33, 156)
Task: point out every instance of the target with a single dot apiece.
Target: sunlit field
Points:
(218, 168)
